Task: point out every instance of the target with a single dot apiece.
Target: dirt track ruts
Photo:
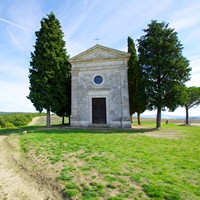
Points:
(14, 183)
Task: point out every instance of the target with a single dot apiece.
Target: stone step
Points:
(99, 126)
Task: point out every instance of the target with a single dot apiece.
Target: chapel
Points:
(100, 95)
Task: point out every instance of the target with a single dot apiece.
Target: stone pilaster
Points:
(74, 100)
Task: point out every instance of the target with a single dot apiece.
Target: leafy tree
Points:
(62, 106)
(163, 66)
(50, 68)
(135, 83)
(191, 99)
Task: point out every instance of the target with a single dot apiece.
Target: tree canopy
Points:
(137, 99)
(50, 72)
(191, 98)
(163, 66)
(62, 104)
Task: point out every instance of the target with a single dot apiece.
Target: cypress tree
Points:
(62, 103)
(50, 68)
(137, 97)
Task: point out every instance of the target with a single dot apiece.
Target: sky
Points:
(82, 21)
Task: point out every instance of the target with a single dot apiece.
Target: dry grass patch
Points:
(169, 134)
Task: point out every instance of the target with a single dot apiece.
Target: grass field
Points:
(143, 163)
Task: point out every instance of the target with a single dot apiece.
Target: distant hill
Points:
(11, 113)
(7, 113)
(195, 118)
(171, 117)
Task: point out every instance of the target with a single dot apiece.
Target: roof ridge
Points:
(106, 49)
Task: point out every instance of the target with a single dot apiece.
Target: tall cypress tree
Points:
(137, 99)
(50, 68)
(62, 103)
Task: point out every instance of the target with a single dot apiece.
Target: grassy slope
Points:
(41, 121)
(121, 164)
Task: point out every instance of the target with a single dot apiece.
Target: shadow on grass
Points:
(8, 131)
(59, 129)
(75, 130)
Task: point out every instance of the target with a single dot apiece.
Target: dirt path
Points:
(14, 183)
(34, 121)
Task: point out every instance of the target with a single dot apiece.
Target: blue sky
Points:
(82, 21)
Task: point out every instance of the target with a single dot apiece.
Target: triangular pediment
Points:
(99, 52)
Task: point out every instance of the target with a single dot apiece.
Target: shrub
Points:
(16, 119)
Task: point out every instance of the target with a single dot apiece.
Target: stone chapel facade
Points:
(100, 88)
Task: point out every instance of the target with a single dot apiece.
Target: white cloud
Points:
(14, 97)
(12, 72)
(26, 13)
(13, 38)
(112, 22)
(20, 40)
(14, 24)
(194, 80)
(22, 20)
(187, 16)
(195, 63)
(195, 73)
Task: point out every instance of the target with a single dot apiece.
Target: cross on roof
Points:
(97, 38)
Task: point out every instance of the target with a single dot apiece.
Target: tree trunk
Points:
(158, 118)
(48, 119)
(131, 116)
(69, 120)
(63, 120)
(187, 115)
(138, 118)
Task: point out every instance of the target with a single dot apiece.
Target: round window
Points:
(98, 79)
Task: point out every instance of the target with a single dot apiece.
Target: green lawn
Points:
(119, 164)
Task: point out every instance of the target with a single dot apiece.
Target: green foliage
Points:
(190, 99)
(62, 105)
(137, 98)
(16, 119)
(50, 73)
(163, 66)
